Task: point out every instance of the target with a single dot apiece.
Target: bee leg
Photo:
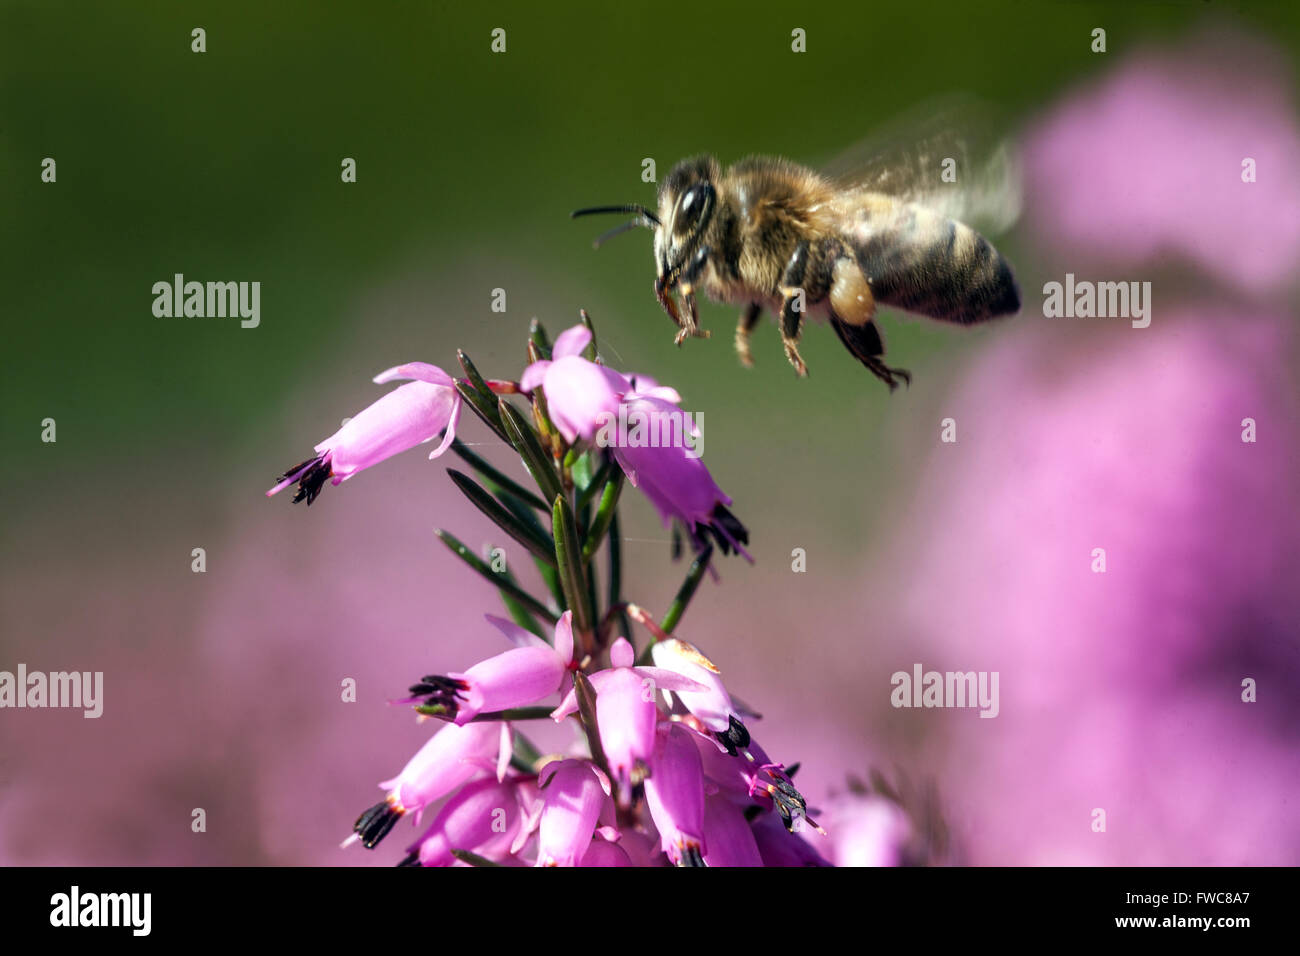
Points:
(748, 319)
(666, 301)
(792, 306)
(691, 326)
(690, 323)
(852, 308)
(790, 320)
(867, 346)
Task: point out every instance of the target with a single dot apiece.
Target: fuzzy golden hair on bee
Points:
(770, 234)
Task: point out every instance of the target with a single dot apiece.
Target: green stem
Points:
(589, 353)
(687, 590)
(586, 695)
(538, 542)
(506, 585)
(537, 335)
(604, 515)
(494, 477)
(516, 713)
(482, 409)
(615, 583)
(475, 379)
(473, 859)
(573, 576)
(585, 494)
(536, 460)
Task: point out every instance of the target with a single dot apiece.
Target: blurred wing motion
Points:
(907, 160)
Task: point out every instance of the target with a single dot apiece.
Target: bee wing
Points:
(947, 156)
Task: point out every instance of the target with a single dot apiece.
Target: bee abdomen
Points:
(922, 262)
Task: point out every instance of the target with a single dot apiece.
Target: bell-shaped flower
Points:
(727, 834)
(751, 774)
(769, 781)
(673, 477)
(605, 853)
(573, 795)
(580, 394)
(531, 672)
(452, 757)
(868, 830)
(483, 817)
(674, 793)
(407, 416)
(626, 713)
(712, 706)
(779, 847)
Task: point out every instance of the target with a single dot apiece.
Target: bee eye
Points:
(692, 206)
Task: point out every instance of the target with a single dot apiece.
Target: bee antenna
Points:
(642, 211)
(618, 231)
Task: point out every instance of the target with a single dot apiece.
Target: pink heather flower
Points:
(1151, 159)
(727, 834)
(452, 757)
(711, 706)
(604, 853)
(642, 849)
(867, 830)
(626, 713)
(580, 394)
(573, 795)
(769, 780)
(407, 416)
(677, 484)
(531, 672)
(483, 817)
(779, 847)
(748, 773)
(584, 398)
(674, 793)
(1138, 450)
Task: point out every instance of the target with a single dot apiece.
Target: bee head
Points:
(687, 200)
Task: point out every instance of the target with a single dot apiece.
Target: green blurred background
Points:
(226, 166)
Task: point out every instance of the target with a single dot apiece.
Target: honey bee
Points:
(769, 233)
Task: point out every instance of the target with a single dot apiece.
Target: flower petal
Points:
(564, 636)
(533, 375)
(621, 653)
(449, 433)
(516, 635)
(579, 396)
(420, 371)
(571, 341)
(405, 417)
(664, 679)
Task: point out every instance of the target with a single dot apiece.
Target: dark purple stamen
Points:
(725, 529)
(373, 825)
(734, 737)
(439, 694)
(311, 476)
(691, 856)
